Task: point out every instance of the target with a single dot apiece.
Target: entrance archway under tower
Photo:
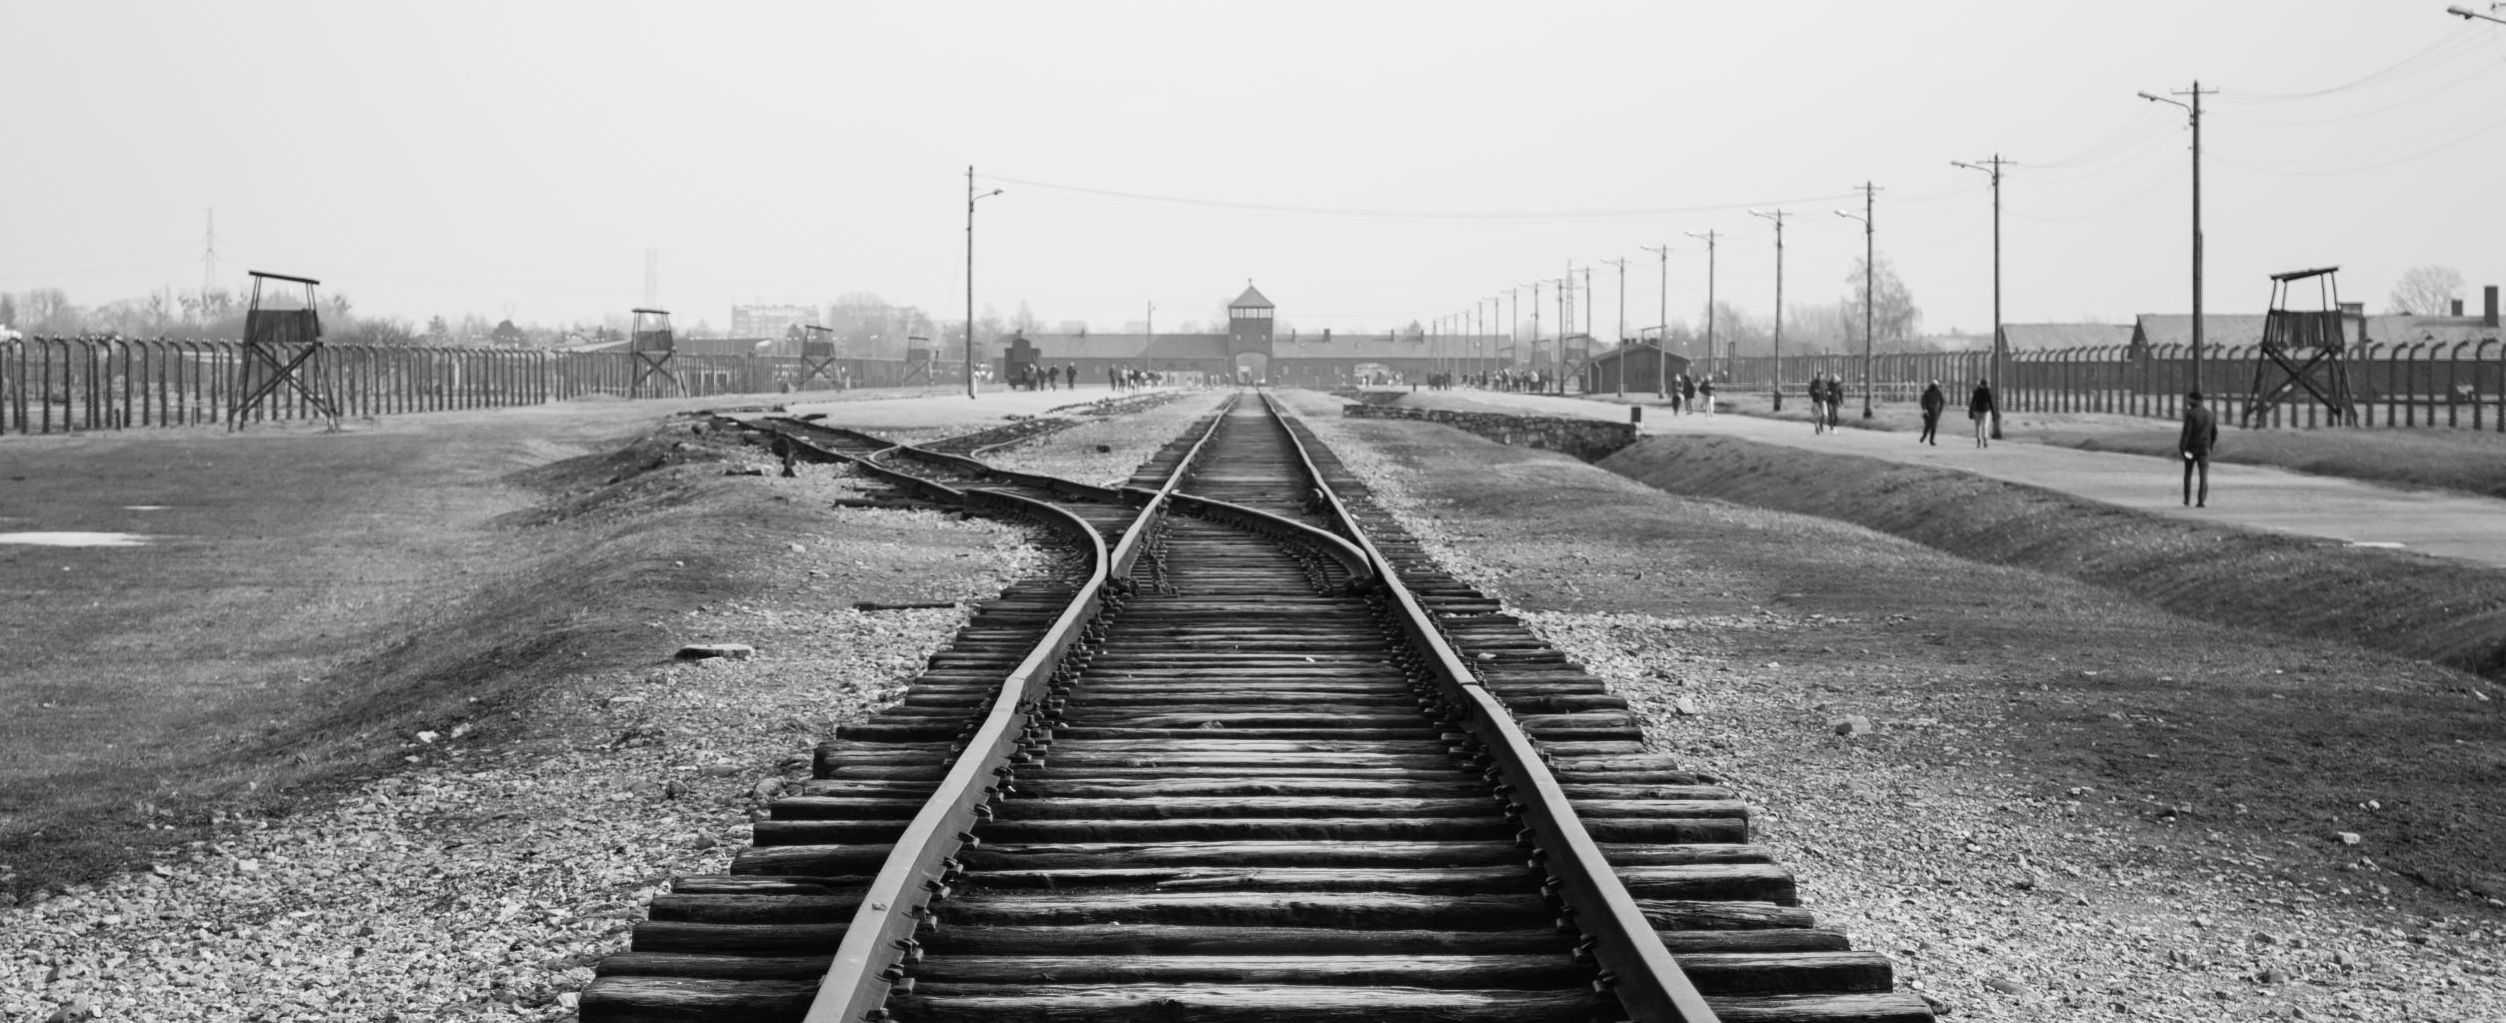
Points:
(1252, 368)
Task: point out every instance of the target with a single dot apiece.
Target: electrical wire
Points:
(2380, 165)
(2435, 54)
(2448, 85)
(1331, 212)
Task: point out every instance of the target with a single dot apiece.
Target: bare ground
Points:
(2073, 801)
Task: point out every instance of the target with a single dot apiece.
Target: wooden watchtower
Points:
(282, 348)
(652, 344)
(818, 357)
(2303, 348)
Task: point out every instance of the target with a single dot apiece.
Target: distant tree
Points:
(2427, 290)
(8, 310)
(1894, 316)
(373, 330)
(1026, 321)
(438, 332)
(48, 311)
(505, 333)
(1738, 330)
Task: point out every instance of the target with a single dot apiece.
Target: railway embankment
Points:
(2436, 609)
(2058, 799)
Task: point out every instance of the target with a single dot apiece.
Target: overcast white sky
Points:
(1365, 163)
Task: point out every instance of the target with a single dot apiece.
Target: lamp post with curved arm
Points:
(970, 274)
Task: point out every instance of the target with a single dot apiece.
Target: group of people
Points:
(1030, 377)
(1981, 409)
(2194, 442)
(1827, 395)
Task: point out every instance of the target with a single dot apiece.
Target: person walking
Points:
(1688, 391)
(2200, 435)
(1934, 403)
(1705, 396)
(1980, 410)
(1835, 401)
(1818, 403)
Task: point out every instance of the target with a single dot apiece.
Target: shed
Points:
(1646, 367)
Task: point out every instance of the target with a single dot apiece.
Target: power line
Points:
(2445, 48)
(1379, 214)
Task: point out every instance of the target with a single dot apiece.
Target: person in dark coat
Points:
(2201, 434)
(1934, 403)
(1835, 401)
(1980, 409)
(1818, 402)
(1688, 391)
(1705, 397)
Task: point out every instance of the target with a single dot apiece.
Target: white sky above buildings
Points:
(1364, 163)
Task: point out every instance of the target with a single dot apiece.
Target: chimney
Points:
(2458, 307)
(2488, 314)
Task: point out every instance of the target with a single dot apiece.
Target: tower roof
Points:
(1251, 299)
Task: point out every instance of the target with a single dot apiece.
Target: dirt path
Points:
(2445, 525)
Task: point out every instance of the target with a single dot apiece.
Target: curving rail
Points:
(1647, 980)
(1322, 854)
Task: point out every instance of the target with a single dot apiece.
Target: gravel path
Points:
(1129, 440)
(1997, 904)
(482, 883)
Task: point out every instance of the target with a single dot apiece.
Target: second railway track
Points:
(1243, 754)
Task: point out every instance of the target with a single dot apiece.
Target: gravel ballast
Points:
(1920, 839)
(483, 881)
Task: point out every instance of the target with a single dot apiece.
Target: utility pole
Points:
(1662, 325)
(1709, 237)
(2195, 94)
(1535, 326)
(970, 274)
(1514, 326)
(1993, 167)
(1566, 325)
(1621, 346)
(1869, 191)
(1777, 381)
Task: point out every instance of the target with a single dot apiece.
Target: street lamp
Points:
(1776, 380)
(1993, 167)
(2194, 107)
(1662, 324)
(1865, 218)
(970, 274)
(1709, 237)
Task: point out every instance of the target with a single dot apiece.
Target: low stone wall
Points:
(1370, 397)
(1587, 439)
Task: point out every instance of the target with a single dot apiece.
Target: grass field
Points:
(309, 600)
(2071, 787)
(2464, 460)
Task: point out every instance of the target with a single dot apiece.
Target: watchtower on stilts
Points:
(652, 344)
(282, 348)
(818, 357)
(2318, 336)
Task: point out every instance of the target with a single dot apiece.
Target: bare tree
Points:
(2426, 290)
(1894, 316)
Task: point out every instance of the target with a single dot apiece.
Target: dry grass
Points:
(2464, 460)
(2071, 784)
(313, 599)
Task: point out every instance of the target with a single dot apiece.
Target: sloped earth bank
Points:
(2069, 803)
(550, 765)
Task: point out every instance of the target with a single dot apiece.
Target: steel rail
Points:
(880, 935)
(1648, 981)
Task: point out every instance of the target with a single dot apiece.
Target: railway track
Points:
(1242, 753)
